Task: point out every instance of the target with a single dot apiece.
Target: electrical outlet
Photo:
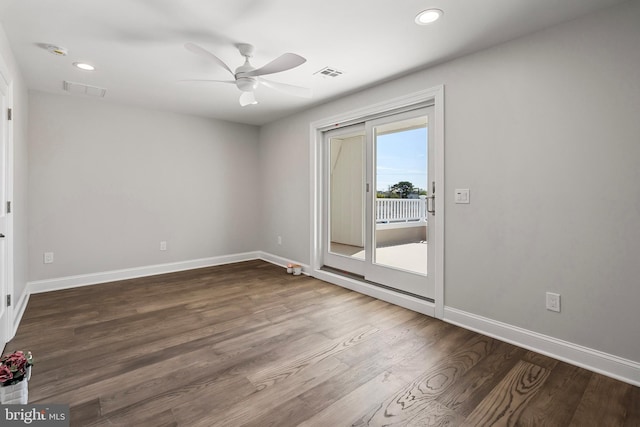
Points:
(48, 257)
(163, 246)
(279, 240)
(553, 302)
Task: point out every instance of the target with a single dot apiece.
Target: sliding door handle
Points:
(2, 236)
(431, 204)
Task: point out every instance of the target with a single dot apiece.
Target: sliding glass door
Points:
(377, 201)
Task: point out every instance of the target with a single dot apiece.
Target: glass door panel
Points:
(400, 204)
(400, 225)
(346, 199)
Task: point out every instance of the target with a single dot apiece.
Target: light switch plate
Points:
(462, 195)
(553, 301)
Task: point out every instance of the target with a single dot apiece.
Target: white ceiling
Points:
(137, 46)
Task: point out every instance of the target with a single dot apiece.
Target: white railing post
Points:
(423, 208)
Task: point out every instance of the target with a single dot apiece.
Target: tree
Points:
(403, 188)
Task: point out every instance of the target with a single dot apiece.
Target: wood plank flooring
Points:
(247, 344)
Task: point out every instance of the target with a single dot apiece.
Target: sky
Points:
(402, 156)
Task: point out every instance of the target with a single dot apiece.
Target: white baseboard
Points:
(48, 285)
(584, 357)
(406, 301)
(18, 311)
(282, 262)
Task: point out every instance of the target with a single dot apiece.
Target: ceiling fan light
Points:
(428, 16)
(247, 98)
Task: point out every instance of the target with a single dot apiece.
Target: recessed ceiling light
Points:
(83, 66)
(428, 16)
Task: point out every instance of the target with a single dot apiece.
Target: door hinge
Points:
(9, 114)
(8, 300)
(8, 207)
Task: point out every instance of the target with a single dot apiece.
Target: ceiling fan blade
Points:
(202, 51)
(282, 63)
(302, 92)
(247, 98)
(206, 80)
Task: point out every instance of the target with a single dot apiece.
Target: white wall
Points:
(20, 156)
(109, 182)
(544, 130)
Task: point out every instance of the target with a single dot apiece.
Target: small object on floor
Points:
(297, 270)
(289, 268)
(15, 373)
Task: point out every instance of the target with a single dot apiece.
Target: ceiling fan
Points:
(247, 78)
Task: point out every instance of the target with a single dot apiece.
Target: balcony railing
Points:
(394, 211)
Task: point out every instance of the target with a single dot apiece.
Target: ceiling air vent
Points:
(329, 72)
(84, 89)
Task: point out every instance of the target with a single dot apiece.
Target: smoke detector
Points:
(57, 50)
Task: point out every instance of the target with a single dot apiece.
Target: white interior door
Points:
(4, 221)
(372, 229)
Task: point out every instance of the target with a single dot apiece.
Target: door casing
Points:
(6, 218)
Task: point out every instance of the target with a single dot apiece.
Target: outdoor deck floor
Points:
(407, 256)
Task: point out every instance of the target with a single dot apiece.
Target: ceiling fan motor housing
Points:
(245, 83)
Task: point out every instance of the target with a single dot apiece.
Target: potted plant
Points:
(15, 371)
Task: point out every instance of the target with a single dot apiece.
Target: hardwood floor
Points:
(247, 344)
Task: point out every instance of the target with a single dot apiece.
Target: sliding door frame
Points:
(428, 97)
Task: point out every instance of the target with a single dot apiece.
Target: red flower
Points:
(14, 367)
(5, 374)
(16, 361)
